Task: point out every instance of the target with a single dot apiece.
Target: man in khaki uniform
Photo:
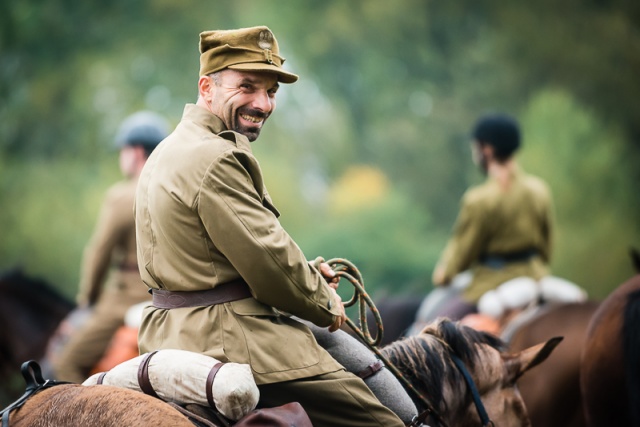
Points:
(110, 258)
(503, 230)
(222, 269)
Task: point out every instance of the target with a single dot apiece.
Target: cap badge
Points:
(265, 40)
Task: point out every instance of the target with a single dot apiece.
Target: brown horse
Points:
(583, 381)
(30, 311)
(610, 375)
(103, 406)
(552, 392)
(425, 359)
(428, 360)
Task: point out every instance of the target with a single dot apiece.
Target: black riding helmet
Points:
(144, 128)
(501, 132)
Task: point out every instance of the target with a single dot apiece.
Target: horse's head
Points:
(429, 362)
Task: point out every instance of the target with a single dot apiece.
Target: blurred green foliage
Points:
(389, 86)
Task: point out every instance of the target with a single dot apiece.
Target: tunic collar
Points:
(215, 125)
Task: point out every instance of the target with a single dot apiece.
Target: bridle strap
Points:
(482, 412)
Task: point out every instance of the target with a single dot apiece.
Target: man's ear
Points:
(204, 87)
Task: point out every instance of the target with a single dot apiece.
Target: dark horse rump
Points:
(610, 371)
(592, 379)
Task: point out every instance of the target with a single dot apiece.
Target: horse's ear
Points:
(519, 363)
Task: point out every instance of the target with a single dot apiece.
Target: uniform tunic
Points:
(110, 282)
(498, 221)
(204, 218)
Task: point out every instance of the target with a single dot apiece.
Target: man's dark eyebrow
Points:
(251, 81)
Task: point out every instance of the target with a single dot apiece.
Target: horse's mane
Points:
(425, 359)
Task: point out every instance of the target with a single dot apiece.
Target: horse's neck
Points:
(449, 380)
(424, 360)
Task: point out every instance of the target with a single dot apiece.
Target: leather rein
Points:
(345, 269)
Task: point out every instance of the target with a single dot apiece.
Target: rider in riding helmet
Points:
(504, 227)
(110, 282)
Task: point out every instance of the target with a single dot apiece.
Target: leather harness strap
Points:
(210, 378)
(230, 291)
(147, 388)
(143, 375)
(101, 378)
(371, 369)
(32, 375)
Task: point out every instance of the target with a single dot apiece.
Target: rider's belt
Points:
(230, 291)
(500, 260)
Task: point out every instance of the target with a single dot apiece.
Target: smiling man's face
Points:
(243, 100)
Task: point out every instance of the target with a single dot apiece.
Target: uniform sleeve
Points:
(250, 236)
(97, 256)
(466, 243)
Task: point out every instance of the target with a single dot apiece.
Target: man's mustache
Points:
(254, 113)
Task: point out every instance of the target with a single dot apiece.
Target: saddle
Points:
(288, 415)
(502, 311)
(508, 323)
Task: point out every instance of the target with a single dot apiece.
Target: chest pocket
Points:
(274, 343)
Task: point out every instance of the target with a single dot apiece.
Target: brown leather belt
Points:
(230, 291)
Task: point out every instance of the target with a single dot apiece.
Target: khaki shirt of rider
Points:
(497, 221)
(110, 259)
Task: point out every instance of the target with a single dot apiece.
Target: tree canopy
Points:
(368, 155)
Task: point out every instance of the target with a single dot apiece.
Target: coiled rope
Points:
(347, 270)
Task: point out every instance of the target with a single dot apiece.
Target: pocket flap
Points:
(252, 307)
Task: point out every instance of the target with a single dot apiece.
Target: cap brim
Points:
(283, 76)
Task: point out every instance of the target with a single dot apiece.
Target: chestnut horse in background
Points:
(610, 375)
(593, 377)
(552, 393)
